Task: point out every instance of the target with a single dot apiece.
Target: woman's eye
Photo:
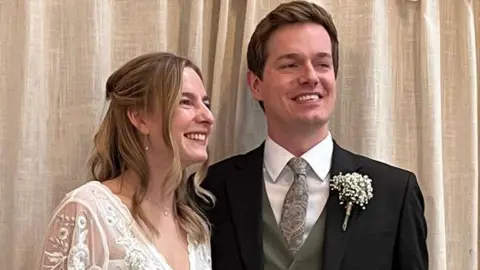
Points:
(207, 104)
(185, 102)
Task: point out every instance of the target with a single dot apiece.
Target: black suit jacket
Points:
(390, 234)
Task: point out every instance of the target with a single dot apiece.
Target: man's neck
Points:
(297, 141)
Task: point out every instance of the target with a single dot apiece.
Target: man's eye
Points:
(289, 66)
(322, 63)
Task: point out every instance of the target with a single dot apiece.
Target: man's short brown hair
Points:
(285, 14)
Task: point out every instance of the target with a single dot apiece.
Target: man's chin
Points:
(312, 121)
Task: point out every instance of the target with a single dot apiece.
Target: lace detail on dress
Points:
(92, 229)
(136, 255)
(204, 257)
(75, 255)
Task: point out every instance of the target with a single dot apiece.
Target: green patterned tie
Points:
(294, 212)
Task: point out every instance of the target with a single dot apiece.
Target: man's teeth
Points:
(308, 97)
(196, 136)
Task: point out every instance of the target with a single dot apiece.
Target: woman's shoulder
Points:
(77, 229)
(86, 194)
(94, 197)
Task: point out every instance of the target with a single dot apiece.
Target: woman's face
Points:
(191, 124)
(192, 120)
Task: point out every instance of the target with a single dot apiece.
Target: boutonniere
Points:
(353, 189)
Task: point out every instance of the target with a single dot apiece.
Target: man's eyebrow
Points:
(288, 56)
(296, 56)
(323, 55)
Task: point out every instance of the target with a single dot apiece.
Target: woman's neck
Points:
(155, 197)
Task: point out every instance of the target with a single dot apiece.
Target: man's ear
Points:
(254, 85)
(139, 120)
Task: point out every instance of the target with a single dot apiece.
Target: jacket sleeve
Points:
(411, 245)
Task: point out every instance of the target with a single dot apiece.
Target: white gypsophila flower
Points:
(353, 189)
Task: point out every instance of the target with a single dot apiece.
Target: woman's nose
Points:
(206, 115)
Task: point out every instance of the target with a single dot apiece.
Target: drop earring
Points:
(146, 143)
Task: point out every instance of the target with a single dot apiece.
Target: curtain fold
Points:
(408, 95)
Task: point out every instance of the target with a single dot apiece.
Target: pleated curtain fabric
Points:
(407, 94)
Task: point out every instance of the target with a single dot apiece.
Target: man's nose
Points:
(309, 75)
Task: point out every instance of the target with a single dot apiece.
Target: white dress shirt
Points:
(278, 177)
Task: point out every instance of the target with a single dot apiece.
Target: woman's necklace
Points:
(167, 212)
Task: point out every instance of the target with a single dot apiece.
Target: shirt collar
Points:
(319, 157)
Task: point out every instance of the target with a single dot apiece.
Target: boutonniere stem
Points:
(348, 211)
(353, 189)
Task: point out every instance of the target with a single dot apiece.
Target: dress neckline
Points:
(151, 247)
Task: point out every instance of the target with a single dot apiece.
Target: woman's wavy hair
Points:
(118, 145)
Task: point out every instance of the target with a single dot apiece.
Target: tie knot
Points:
(298, 165)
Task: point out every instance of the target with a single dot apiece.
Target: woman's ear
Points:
(139, 120)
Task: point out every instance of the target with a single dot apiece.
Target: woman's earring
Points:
(146, 142)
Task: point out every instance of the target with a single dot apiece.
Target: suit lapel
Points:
(335, 238)
(244, 193)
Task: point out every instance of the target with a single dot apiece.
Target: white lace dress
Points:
(92, 229)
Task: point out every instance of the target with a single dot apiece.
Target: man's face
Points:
(298, 88)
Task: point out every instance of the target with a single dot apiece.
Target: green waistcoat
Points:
(276, 254)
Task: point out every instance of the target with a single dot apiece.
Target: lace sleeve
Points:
(74, 240)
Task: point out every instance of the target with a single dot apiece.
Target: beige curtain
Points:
(408, 89)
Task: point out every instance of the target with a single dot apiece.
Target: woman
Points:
(140, 213)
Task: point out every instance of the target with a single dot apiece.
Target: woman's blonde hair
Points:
(118, 145)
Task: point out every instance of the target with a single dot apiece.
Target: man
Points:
(275, 208)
